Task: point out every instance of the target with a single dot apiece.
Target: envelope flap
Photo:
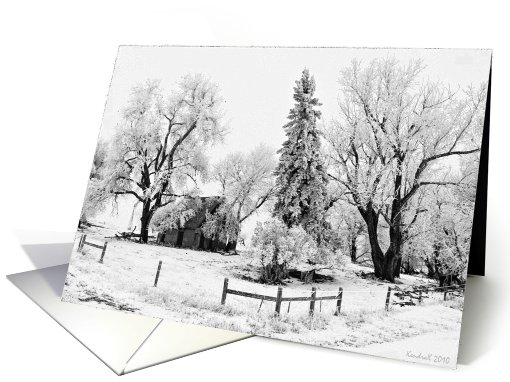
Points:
(112, 336)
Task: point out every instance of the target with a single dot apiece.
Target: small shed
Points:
(190, 234)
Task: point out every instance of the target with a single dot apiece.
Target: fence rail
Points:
(408, 297)
(251, 295)
(83, 242)
(404, 297)
(279, 298)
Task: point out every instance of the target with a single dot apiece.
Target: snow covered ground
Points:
(190, 287)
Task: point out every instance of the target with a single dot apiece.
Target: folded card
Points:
(328, 196)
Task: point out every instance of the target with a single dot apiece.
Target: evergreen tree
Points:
(301, 174)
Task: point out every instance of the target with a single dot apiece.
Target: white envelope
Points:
(124, 342)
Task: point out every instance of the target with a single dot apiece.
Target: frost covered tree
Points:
(247, 184)
(158, 151)
(246, 180)
(222, 225)
(176, 214)
(301, 181)
(347, 228)
(396, 137)
(440, 238)
(448, 226)
(95, 199)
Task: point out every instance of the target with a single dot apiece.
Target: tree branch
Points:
(129, 193)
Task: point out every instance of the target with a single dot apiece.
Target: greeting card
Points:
(328, 196)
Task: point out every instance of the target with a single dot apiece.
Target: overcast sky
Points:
(257, 83)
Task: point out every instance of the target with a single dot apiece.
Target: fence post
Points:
(312, 302)
(260, 306)
(445, 293)
(103, 252)
(224, 293)
(79, 244)
(419, 298)
(82, 241)
(339, 301)
(157, 273)
(278, 300)
(388, 299)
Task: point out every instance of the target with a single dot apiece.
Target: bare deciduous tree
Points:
(394, 137)
(158, 148)
(246, 180)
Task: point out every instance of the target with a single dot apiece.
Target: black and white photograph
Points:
(317, 195)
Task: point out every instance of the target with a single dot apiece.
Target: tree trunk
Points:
(407, 268)
(389, 265)
(372, 220)
(393, 257)
(353, 249)
(148, 211)
(398, 269)
(431, 269)
(145, 219)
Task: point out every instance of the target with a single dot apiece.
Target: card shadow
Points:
(48, 255)
(481, 303)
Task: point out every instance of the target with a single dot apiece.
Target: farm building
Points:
(190, 235)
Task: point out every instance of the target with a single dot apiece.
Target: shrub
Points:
(278, 248)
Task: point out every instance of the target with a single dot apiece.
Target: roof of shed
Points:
(202, 205)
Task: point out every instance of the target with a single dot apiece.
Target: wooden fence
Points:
(279, 298)
(416, 294)
(405, 297)
(83, 242)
